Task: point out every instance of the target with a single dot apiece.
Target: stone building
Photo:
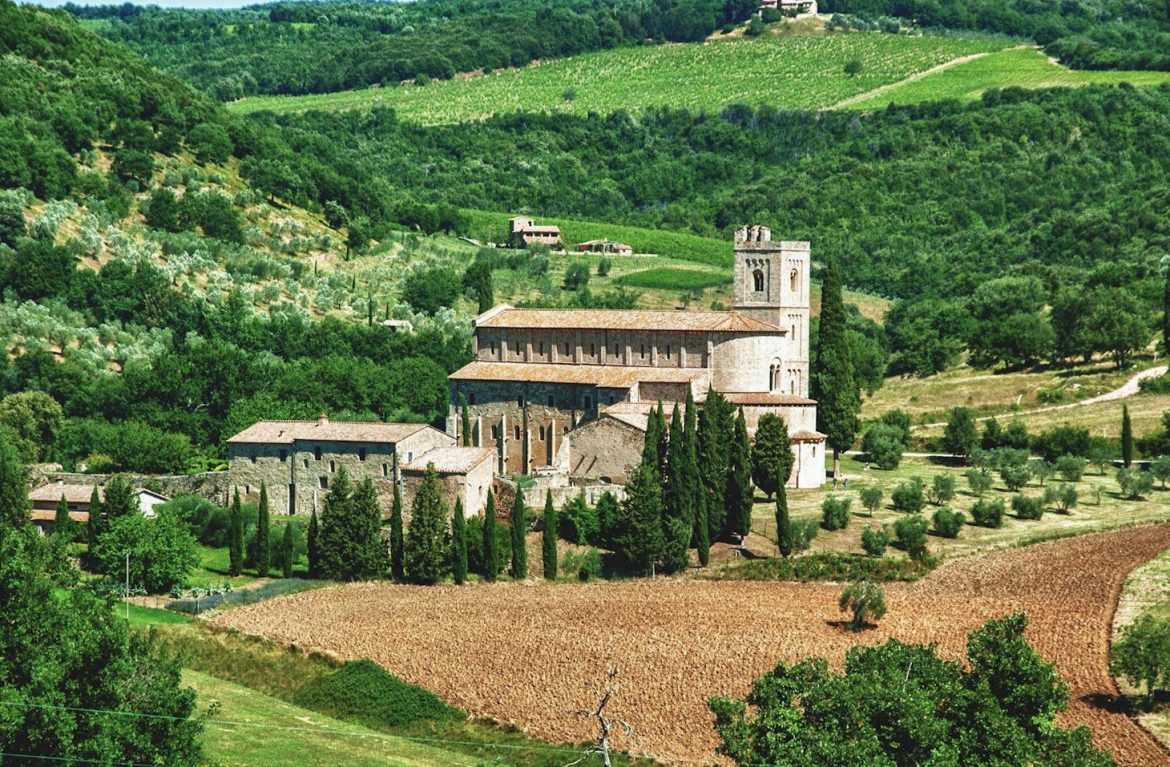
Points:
(523, 231)
(568, 390)
(466, 473)
(297, 460)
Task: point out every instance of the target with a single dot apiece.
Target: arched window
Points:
(541, 433)
(758, 278)
(772, 378)
(792, 280)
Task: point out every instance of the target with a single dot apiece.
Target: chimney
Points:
(322, 419)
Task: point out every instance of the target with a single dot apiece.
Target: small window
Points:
(410, 457)
(615, 351)
(332, 467)
(247, 489)
(385, 470)
(542, 348)
(471, 398)
(283, 456)
(592, 350)
(668, 351)
(306, 463)
(520, 401)
(361, 454)
(517, 431)
(323, 482)
(542, 434)
(253, 457)
(566, 350)
(792, 279)
(643, 351)
(814, 451)
(758, 278)
(317, 452)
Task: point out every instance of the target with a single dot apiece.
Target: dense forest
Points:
(295, 48)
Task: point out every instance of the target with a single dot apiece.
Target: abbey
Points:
(568, 391)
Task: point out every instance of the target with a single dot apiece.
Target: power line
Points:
(74, 759)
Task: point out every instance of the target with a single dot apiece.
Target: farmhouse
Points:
(568, 390)
(297, 460)
(605, 246)
(523, 231)
(791, 7)
(45, 498)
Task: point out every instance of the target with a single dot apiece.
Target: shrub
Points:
(364, 692)
(942, 489)
(883, 445)
(1070, 467)
(578, 522)
(1062, 440)
(1027, 507)
(979, 480)
(1063, 497)
(987, 513)
(209, 598)
(590, 566)
(908, 497)
(865, 601)
(871, 498)
(802, 534)
(1015, 478)
(835, 513)
(1041, 470)
(910, 533)
(948, 523)
(835, 566)
(1134, 483)
(874, 540)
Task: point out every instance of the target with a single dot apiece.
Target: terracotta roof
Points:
(605, 376)
(451, 460)
(636, 319)
(765, 398)
(49, 515)
(806, 436)
(539, 228)
(285, 432)
(52, 492)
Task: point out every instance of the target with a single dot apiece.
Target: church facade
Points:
(568, 391)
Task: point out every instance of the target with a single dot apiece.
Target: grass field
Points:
(250, 729)
(1017, 67)
(799, 72)
(1147, 590)
(670, 278)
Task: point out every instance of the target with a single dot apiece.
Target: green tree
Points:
(491, 562)
(465, 419)
(477, 281)
(162, 212)
(637, 530)
(313, 545)
(865, 601)
(1160, 469)
(1126, 437)
(739, 493)
(429, 290)
(874, 540)
(576, 276)
(63, 524)
(349, 544)
(97, 523)
(519, 538)
(34, 418)
(853, 67)
(942, 489)
(287, 555)
(12, 226)
(428, 523)
(784, 540)
(961, 435)
(883, 445)
(910, 532)
(772, 457)
(397, 562)
(700, 534)
(14, 503)
(263, 553)
(73, 655)
(235, 535)
(1142, 655)
(678, 511)
(119, 500)
(979, 480)
(833, 384)
(459, 543)
(210, 142)
(162, 550)
(715, 432)
(549, 537)
(871, 498)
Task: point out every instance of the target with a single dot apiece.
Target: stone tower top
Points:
(754, 233)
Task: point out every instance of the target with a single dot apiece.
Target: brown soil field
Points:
(524, 653)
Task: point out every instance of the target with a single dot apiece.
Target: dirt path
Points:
(1127, 389)
(522, 653)
(860, 97)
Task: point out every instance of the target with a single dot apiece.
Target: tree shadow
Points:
(846, 627)
(1114, 704)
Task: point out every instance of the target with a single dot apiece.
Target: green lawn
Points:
(268, 732)
(213, 568)
(1019, 67)
(800, 71)
(145, 617)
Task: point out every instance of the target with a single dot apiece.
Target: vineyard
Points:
(797, 72)
(667, 278)
(526, 652)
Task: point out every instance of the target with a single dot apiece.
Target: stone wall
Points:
(606, 450)
(472, 487)
(603, 346)
(212, 485)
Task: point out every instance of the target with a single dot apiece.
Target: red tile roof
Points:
(636, 319)
(765, 398)
(605, 376)
(285, 432)
(451, 460)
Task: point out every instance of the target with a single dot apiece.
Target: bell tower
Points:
(772, 285)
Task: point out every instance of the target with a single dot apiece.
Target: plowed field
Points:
(522, 653)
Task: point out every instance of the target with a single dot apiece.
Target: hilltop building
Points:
(523, 231)
(568, 391)
(297, 460)
(790, 7)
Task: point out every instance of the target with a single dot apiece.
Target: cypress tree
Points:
(650, 446)
(1166, 312)
(491, 564)
(519, 529)
(783, 526)
(1126, 437)
(548, 538)
(663, 437)
(677, 502)
(700, 535)
(263, 556)
(424, 539)
(740, 492)
(370, 558)
(118, 499)
(833, 383)
(397, 567)
(62, 522)
(97, 523)
(465, 419)
(715, 430)
(636, 527)
(459, 543)
(287, 551)
(236, 537)
(314, 552)
(772, 457)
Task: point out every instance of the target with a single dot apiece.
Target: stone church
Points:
(567, 392)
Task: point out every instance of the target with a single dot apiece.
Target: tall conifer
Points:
(519, 537)
(459, 543)
(678, 502)
(96, 524)
(548, 537)
(834, 385)
(715, 431)
(740, 492)
(1126, 437)
(287, 551)
(428, 523)
(312, 540)
(236, 536)
(783, 525)
(700, 535)
(491, 564)
(62, 522)
(636, 527)
(397, 567)
(263, 556)
(465, 419)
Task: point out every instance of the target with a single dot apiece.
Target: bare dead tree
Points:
(605, 723)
